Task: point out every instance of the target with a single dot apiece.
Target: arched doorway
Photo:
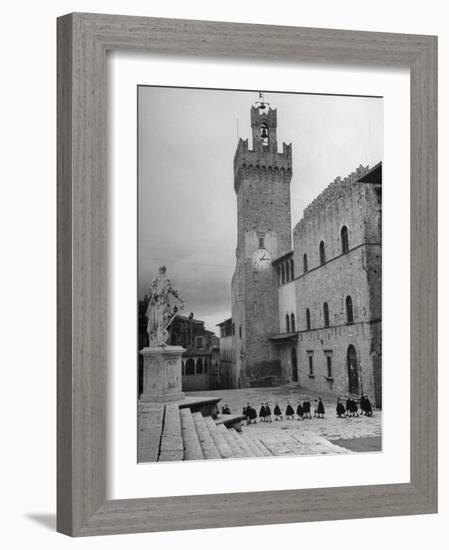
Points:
(294, 366)
(190, 367)
(353, 370)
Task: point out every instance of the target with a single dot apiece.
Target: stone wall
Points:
(355, 271)
(334, 342)
(287, 306)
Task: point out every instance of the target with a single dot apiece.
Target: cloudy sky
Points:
(187, 204)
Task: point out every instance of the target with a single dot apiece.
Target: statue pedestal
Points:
(162, 374)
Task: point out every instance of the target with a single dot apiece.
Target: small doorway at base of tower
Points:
(294, 366)
(353, 370)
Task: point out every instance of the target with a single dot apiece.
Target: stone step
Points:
(150, 424)
(255, 451)
(244, 447)
(231, 420)
(233, 445)
(171, 446)
(260, 446)
(208, 446)
(218, 437)
(191, 442)
(208, 406)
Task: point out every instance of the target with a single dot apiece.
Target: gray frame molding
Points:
(83, 40)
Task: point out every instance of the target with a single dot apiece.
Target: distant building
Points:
(200, 361)
(307, 311)
(227, 375)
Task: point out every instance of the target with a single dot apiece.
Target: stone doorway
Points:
(353, 370)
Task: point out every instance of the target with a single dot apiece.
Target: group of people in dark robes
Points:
(225, 409)
(365, 405)
(250, 414)
(265, 412)
(303, 410)
(351, 408)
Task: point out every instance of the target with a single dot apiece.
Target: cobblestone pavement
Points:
(303, 437)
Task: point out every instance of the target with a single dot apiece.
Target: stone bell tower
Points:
(262, 178)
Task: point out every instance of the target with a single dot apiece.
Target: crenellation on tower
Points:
(252, 163)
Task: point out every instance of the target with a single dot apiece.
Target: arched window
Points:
(287, 323)
(264, 133)
(292, 269)
(282, 274)
(322, 253)
(199, 366)
(308, 318)
(306, 265)
(349, 311)
(190, 367)
(292, 322)
(326, 314)
(344, 240)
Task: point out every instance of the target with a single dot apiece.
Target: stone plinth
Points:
(162, 374)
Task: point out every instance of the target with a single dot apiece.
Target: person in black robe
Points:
(353, 407)
(349, 407)
(306, 409)
(246, 412)
(299, 411)
(341, 412)
(365, 405)
(320, 408)
(252, 415)
(262, 413)
(369, 409)
(267, 413)
(289, 412)
(277, 412)
(362, 404)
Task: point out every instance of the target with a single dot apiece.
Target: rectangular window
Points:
(310, 356)
(329, 366)
(261, 242)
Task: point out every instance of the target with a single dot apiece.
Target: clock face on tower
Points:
(261, 259)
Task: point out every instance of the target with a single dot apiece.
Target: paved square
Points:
(330, 435)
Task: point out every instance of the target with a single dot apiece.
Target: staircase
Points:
(192, 433)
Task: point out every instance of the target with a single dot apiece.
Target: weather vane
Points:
(262, 104)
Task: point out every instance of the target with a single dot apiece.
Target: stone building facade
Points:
(306, 310)
(227, 373)
(336, 344)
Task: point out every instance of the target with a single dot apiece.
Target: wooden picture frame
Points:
(83, 40)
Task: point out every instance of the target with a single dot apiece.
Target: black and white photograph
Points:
(259, 274)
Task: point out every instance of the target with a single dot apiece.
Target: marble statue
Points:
(161, 310)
